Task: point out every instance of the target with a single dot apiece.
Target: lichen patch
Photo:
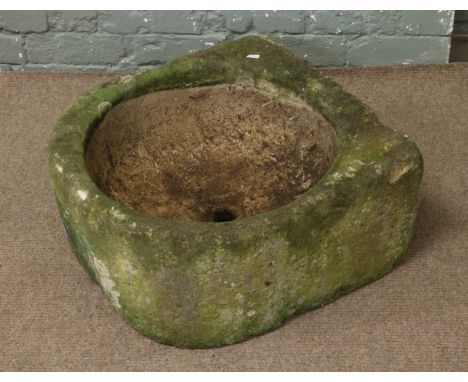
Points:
(105, 280)
(127, 79)
(251, 313)
(83, 194)
(399, 172)
(103, 107)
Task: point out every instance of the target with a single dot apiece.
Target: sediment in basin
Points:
(209, 154)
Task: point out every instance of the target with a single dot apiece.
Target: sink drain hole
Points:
(223, 216)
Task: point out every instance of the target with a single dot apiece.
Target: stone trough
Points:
(220, 194)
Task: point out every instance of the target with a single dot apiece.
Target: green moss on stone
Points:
(196, 285)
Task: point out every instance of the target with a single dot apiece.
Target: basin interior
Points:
(214, 153)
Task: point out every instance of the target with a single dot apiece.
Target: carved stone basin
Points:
(216, 196)
(209, 153)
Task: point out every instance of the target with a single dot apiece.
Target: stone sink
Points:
(218, 195)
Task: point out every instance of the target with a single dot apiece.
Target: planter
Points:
(216, 196)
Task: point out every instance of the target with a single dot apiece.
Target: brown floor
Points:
(53, 317)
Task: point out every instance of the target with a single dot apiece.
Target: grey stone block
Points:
(63, 68)
(279, 21)
(6, 68)
(76, 21)
(156, 49)
(77, 49)
(11, 50)
(238, 21)
(179, 22)
(437, 23)
(382, 22)
(382, 50)
(213, 22)
(319, 50)
(125, 22)
(23, 21)
(336, 22)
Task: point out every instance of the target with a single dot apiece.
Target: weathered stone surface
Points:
(336, 22)
(383, 22)
(204, 284)
(213, 22)
(77, 49)
(125, 22)
(23, 21)
(378, 50)
(152, 49)
(63, 68)
(180, 22)
(354, 22)
(428, 22)
(284, 21)
(11, 50)
(319, 50)
(73, 21)
(238, 21)
(5, 68)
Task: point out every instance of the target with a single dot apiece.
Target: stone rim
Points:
(102, 97)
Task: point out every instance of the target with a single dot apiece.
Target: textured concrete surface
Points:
(133, 40)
